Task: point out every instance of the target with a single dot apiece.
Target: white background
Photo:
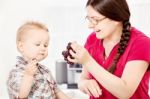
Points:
(65, 20)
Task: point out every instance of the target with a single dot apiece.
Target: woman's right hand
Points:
(90, 87)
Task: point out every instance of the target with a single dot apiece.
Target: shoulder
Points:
(14, 77)
(139, 46)
(139, 38)
(17, 69)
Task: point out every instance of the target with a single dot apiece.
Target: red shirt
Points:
(138, 49)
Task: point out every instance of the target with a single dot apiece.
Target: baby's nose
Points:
(43, 47)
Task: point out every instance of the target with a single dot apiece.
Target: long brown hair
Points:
(117, 10)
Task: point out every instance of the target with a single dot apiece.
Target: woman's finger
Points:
(73, 54)
(99, 90)
(72, 60)
(97, 87)
(94, 92)
(94, 88)
(86, 91)
(74, 46)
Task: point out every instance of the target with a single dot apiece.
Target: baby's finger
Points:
(34, 61)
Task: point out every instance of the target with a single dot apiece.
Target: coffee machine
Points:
(73, 75)
(61, 71)
(67, 73)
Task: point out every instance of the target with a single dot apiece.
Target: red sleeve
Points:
(140, 49)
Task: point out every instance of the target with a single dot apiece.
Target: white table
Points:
(73, 93)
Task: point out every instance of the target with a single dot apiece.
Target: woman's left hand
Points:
(79, 53)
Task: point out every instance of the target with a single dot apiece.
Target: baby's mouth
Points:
(42, 54)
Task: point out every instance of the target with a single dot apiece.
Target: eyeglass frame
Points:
(94, 21)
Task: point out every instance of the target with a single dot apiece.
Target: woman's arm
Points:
(87, 85)
(123, 87)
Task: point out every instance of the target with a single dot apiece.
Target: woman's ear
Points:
(117, 23)
(20, 46)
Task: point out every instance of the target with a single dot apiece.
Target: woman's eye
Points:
(37, 44)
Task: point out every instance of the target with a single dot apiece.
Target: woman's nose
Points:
(90, 26)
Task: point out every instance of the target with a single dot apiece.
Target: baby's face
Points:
(35, 44)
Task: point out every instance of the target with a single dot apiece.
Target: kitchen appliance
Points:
(67, 73)
(73, 75)
(61, 71)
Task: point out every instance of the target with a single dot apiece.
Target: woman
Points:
(116, 56)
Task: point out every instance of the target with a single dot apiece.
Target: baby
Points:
(29, 79)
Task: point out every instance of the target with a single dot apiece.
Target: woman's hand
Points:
(79, 54)
(90, 87)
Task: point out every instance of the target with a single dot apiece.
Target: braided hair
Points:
(122, 44)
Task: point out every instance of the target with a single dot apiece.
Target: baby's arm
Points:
(19, 82)
(25, 87)
(58, 93)
(28, 78)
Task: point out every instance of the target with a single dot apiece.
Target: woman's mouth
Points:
(97, 31)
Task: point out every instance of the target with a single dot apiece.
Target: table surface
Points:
(73, 93)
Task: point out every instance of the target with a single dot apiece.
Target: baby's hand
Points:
(31, 67)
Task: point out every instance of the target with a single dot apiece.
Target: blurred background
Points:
(66, 22)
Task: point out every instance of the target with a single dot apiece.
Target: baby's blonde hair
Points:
(29, 26)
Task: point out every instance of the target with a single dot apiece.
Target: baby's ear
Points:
(20, 46)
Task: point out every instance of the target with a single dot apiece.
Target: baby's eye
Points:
(45, 45)
(37, 44)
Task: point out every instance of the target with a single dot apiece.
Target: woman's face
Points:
(101, 25)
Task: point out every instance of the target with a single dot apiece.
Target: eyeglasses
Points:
(94, 20)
